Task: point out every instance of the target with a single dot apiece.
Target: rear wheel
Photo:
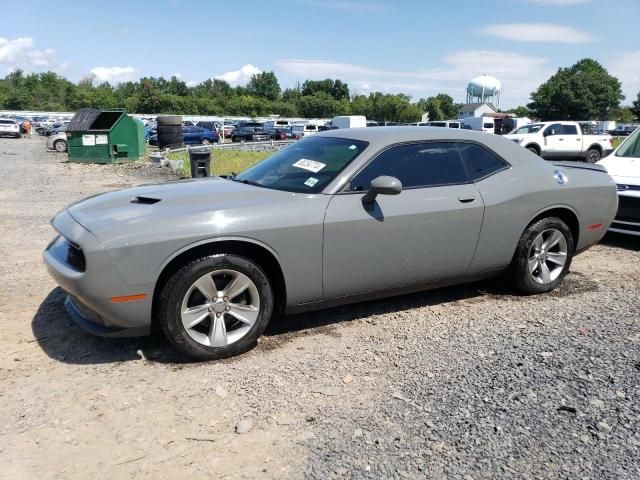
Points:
(216, 306)
(543, 256)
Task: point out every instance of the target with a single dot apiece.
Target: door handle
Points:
(466, 199)
(561, 139)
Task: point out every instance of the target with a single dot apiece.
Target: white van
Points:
(269, 124)
(349, 121)
(445, 124)
(481, 124)
(308, 129)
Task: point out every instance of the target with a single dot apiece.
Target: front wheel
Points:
(543, 256)
(60, 146)
(216, 306)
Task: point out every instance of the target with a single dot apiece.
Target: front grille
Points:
(625, 188)
(628, 209)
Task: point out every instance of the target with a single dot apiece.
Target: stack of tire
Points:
(169, 131)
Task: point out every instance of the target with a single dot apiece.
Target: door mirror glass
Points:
(382, 185)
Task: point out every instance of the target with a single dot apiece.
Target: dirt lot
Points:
(467, 382)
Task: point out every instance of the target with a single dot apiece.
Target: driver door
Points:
(426, 233)
(556, 142)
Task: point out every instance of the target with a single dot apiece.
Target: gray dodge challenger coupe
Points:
(339, 217)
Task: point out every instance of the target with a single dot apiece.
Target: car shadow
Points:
(620, 240)
(62, 340)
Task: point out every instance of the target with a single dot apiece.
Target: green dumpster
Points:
(104, 136)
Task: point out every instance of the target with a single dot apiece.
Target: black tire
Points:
(519, 271)
(533, 150)
(170, 130)
(173, 292)
(166, 120)
(170, 141)
(593, 155)
(60, 146)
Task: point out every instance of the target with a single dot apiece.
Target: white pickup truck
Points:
(562, 140)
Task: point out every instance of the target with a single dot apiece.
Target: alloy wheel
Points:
(547, 256)
(220, 308)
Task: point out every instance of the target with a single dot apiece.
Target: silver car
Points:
(338, 217)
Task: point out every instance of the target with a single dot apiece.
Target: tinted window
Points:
(569, 130)
(554, 129)
(487, 125)
(479, 161)
(415, 165)
(631, 146)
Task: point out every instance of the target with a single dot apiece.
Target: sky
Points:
(420, 48)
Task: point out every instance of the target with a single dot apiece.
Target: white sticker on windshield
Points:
(352, 147)
(311, 182)
(310, 165)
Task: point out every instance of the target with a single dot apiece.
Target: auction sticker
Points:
(311, 182)
(310, 165)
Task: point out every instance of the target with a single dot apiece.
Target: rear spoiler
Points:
(581, 166)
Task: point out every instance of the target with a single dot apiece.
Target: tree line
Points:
(583, 91)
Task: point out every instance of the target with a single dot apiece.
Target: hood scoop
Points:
(145, 200)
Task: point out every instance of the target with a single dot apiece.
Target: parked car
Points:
(445, 124)
(271, 124)
(9, 128)
(57, 142)
(226, 130)
(308, 129)
(284, 134)
(348, 121)
(250, 134)
(192, 136)
(352, 214)
(624, 166)
(212, 126)
(562, 140)
(480, 124)
(623, 130)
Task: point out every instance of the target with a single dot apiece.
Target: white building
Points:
(476, 110)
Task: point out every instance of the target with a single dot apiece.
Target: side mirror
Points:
(549, 132)
(383, 185)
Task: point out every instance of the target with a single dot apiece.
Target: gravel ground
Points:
(459, 383)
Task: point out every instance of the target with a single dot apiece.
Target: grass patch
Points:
(223, 162)
(616, 142)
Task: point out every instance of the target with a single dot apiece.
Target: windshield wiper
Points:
(246, 182)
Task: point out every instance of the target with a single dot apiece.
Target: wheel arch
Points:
(250, 248)
(594, 146)
(534, 145)
(565, 213)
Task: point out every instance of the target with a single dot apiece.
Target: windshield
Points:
(631, 146)
(306, 166)
(533, 128)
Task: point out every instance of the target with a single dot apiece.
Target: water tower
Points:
(484, 89)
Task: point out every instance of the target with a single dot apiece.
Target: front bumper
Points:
(628, 216)
(92, 281)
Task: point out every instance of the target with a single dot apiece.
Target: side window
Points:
(555, 129)
(415, 165)
(569, 130)
(479, 161)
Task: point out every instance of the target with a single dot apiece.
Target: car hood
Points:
(623, 169)
(137, 208)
